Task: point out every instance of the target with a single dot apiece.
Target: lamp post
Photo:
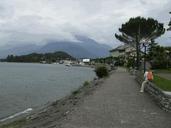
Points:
(145, 49)
(145, 44)
(167, 52)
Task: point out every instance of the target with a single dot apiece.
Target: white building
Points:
(86, 60)
(122, 50)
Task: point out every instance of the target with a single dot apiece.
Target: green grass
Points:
(162, 83)
(168, 70)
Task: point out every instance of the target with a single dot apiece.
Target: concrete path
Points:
(118, 104)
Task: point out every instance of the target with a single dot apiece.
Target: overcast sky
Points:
(36, 21)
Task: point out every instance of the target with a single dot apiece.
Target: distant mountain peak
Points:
(84, 39)
(87, 48)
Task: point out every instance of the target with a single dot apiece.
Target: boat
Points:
(68, 65)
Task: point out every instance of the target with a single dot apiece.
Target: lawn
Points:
(162, 83)
(168, 70)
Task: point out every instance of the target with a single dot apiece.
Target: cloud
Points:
(36, 21)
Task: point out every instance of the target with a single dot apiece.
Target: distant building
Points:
(118, 51)
(123, 50)
(86, 60)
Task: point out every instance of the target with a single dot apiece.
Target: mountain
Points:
(99, 50)
(84, 47)
(69, 47)
(18, 49)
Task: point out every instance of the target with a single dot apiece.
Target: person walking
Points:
(148, 76)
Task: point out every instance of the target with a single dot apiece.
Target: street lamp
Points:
(168, 58)
(145, 44)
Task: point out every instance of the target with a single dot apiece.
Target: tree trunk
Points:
(138, 53)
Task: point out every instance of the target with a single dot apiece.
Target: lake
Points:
(26, 85)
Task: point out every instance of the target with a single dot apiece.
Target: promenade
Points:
(117, 104)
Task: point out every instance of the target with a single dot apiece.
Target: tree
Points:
(38, 57)
(151, 50)
(137, 30)
(159, 56)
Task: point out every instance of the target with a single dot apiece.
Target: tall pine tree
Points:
(137, 30)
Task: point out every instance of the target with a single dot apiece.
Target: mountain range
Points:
(84, 47)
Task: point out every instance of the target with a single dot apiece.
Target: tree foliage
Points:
(37, 57)
(169, 24)
(138, 30)
(145, 29)
(159, 56)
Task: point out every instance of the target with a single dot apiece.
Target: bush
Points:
(86, 83)
(102, 71)
(75, 92)
(130, 62)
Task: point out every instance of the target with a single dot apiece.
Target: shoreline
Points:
(72, 65)
(16, 115)
(55, 111)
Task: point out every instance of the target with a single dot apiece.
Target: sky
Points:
(37, 21)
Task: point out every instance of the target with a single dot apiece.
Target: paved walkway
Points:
(118, 104)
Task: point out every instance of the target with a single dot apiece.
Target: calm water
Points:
(25, 86)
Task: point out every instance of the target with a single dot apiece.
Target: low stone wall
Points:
(162, 99)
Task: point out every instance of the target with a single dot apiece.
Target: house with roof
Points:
(123, 50)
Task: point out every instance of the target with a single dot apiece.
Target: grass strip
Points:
(162, 83)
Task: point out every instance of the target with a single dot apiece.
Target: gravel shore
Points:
(54, 112)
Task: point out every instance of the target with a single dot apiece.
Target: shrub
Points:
(75, 92)
(102, 71)
(130, 62)
(86, 83)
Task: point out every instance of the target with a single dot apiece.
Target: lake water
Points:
(25, 85)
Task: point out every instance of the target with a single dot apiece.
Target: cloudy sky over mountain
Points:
(36, 21)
